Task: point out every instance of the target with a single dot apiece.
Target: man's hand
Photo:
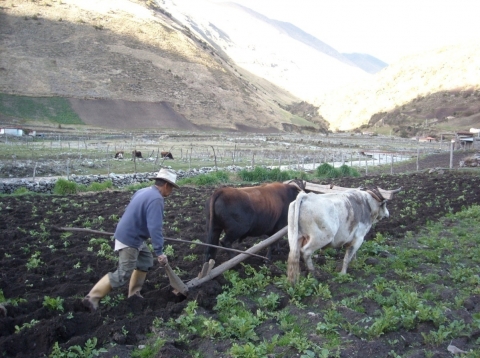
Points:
(162, 260)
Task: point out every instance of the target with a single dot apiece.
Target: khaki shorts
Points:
(130, 259)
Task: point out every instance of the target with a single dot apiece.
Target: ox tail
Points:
(210, 252)
(293, 239)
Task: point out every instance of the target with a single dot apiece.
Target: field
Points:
(80, 152)
(411, 292)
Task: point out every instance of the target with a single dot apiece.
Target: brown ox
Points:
(166, 155)
(242, 212)
(119, 155)
(136, 154)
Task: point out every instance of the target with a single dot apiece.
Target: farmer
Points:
(143, 218)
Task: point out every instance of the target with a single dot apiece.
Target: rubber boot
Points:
(136, 282)
(100, 290)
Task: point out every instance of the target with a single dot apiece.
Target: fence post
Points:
(215, 157)
(134, 154)
(156, 160)
(233, 154)
(418, 153)
(190, 161)
(451, 153)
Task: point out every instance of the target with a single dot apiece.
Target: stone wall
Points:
(45, 185)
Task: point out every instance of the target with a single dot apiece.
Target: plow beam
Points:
(237, 259)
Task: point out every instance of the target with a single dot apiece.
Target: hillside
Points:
(430, 85)
(128, 64)
(277, 51)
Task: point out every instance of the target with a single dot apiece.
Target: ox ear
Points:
(384, 202)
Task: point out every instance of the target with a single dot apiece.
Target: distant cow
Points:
(334, 220)
(242, 212)
(119, 155)
(166, 155)
(136, 154)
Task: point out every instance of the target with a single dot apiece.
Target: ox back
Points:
(166, 155)
(243, 212)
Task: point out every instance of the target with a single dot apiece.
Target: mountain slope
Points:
(451, 68)
(130, 51)
(279, 52)
(366, 62)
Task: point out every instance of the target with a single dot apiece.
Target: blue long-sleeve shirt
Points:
(143, 218)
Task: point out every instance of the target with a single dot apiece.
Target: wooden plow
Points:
(208, 271)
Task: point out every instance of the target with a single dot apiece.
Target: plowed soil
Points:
(70, 264)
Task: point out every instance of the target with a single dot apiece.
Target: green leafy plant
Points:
(169, 251)
(26, 325)
(150, 350)
(21, 191)
(64, 187)
(113, 300)
(54, 304)
(191, 257)
(212, 178)
(88, 351)
(34, 261)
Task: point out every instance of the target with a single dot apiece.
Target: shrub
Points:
(327, 171)
(260, 174)
(21, 191)
(100, 186)
(257, 174)
(212, 178)
(135, 187)
(64, 187)
(346, 171)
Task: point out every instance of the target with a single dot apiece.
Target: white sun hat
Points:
(168, 175)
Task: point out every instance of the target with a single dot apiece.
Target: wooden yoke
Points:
(330, 188)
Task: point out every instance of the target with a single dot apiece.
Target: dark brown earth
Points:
(71, 265)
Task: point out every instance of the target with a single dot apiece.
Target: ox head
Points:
(383, 211)
(376, 194)
(381, 202)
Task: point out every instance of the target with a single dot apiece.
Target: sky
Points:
(385, 29)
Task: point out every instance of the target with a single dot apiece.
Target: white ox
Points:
(317, 221)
